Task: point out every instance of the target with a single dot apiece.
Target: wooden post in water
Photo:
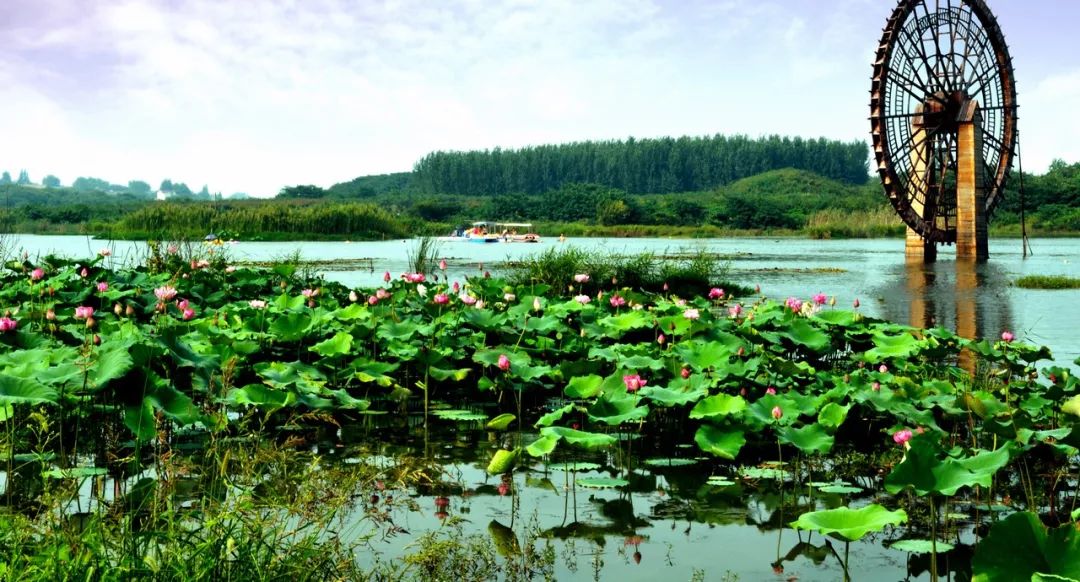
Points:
(971, 235)
(916, 248)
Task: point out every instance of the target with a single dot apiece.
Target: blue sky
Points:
(254, 95)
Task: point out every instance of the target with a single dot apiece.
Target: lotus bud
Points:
(129, 311)
(90, 323)
(353, 297)
(50, 315)
(97, 340)
(118, 309)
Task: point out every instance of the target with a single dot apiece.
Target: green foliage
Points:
(1048, 282)
(1020, 547)
(850, 524)
(635, 166)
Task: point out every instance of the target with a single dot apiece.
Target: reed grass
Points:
(1048, 282)
(840, 223)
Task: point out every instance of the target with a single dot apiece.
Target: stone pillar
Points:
(967, 315)
(971, 236)
(916, 249)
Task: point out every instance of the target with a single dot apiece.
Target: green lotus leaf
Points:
(352, 313)
(75, 472)
(615, 409)
(366, 370)
(627, 321)
(722, 443)
(338, 345)
(832, 415)
(503, 461)
(460, 415)
(139, 418)
(840, 489)
(927, 469)
(1020, 547)
(588, 440)
(921, 546)
(578, 466)
(893, 346)
(668, 398)
(483, 318)
(641, 363)
(718, 405)
(293, 376)
(702, 355)
(850, 524)
(583, 386)
(554, 416)
(542, 446)
(543, 324)
(291, 326)
(601, 482)
(456, 375)
(504, 539)
(260, 395)
(112, 362)
(801, 333)
(15, 390)
(671, 462)
(811, 438)
(838, 317)
(1072, 406)
(500, 422)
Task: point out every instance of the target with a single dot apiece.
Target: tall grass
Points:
(423, 255)
(261, 219)
(685, 273)
(1048, 282)
(839, 223)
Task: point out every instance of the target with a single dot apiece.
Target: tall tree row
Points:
(636, 166)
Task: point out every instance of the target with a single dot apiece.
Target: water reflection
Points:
(965, 296)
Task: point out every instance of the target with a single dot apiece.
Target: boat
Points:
(486, 232)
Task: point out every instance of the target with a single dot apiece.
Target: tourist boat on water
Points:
(494, 232)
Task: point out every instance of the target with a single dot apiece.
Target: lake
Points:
(979, 300)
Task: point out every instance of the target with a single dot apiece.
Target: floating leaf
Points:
(460, 415)
(75, 472)
(851, 524)
(921, 546)
(588, 440)
(720, 482)
(670, 462)
(840, 489)
(601, 482)
(578, 466)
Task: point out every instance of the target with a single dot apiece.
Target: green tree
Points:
(140, 188)
(24, 178)
(5, 178)
(50, 181)
(303, 191)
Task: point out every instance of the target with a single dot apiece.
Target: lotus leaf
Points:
(850, 524)
(588, 440)
(808, 439)
(338, 345)
(722, 443)
(503, 461)
(500, 422)
(601, 482)
(718, 405)
(921, 546)
(1020, 547)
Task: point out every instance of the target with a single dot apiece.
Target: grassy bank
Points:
(1048, 282)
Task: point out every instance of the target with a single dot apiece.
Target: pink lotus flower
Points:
(665, 287)
(353, 297)
(633, 382)
(83, 312)
(616, 301)
(442, 264)
(105, 252)
(876, 386)
(310, 293)
(373, 300)
(716, 293)
(455, 287)
(777, 413)
(901, 437)
(661, 339)
(583, 299)
(468, 299)
(165, 293)
(735, 310)
(230, 269)
(685, 373)
(414, 277)
(182, 304)
(820, 299)
(84, 273)
(691, 314)
(382, 293)
(386, 277)
(581, 278)
(770, 390)
(188, 314)
(504, 363)
(1007, 336)
(37, 274)
(50, 315)
(7, 324)
(173, 249)
(883, 369)
(257, 304)
(856, 303)
(441, 299)
(487, 274)
(509, 297)
(102, 286)
(202, 264)
(793, 304)
(479, 303)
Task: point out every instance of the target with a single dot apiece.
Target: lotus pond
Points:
(188, 419)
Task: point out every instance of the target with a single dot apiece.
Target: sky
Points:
(253, 95)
